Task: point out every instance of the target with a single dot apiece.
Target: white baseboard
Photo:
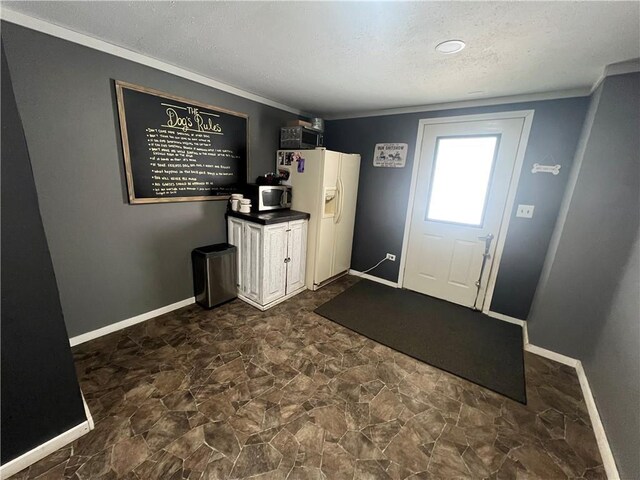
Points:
(114, 327)
(556, 357)
(87, 412)
(41, 451)
(598, 428)
(516, 321)
(373, 279)
(505, 318)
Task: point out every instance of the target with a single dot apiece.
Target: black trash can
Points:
(215, 274)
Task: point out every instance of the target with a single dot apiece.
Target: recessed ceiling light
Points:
(450, 46)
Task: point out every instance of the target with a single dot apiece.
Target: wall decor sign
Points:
(554, 169)
(180, 150)
(393, 155)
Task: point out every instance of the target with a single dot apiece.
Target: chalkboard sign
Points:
(180, 150)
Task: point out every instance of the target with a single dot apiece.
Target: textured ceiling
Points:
(336, 57)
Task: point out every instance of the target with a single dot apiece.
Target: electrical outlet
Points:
(391, 257)
(525, 211)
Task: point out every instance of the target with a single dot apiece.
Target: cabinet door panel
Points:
(253, 261)
(297, 253)
(234, 228)
(274, 254)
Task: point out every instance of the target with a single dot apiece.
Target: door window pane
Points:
(461, 178)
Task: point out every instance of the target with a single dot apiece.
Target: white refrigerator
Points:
(325, 185)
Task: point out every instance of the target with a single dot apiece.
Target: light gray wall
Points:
(383, 192)
(588, 306)
(112, 260)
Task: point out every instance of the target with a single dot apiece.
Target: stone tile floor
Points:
(286, 394)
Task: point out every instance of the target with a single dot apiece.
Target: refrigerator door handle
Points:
(338, 217)
(341, 199)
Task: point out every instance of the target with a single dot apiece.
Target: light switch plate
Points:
(525, 211)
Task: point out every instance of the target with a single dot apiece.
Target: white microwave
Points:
(268, 197)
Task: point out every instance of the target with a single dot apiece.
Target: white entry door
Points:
(464, 173)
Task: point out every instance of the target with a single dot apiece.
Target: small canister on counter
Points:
(235, 201)
(245, 205)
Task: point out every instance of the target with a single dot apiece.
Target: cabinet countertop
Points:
(269, 218)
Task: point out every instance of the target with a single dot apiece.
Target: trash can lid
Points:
(215, 250)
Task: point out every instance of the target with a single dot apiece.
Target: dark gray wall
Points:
(383, 192)
(112, 260)
(40, 393)
(613, 368)
(588, 303)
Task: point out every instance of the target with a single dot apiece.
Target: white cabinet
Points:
(271, 260)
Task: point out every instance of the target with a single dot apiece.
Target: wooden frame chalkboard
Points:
(180, 150)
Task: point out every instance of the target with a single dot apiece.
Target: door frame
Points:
(527, 115)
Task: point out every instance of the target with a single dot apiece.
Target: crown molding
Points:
(620, 68)
(630, 66)
(480, 102)
(64, 33)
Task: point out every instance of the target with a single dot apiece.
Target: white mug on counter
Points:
(235, 201)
